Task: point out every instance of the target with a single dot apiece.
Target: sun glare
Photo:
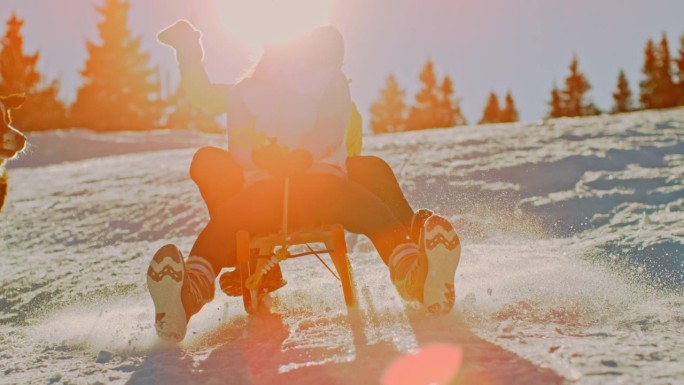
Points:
(259, 22)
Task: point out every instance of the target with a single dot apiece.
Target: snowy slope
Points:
(572, 267)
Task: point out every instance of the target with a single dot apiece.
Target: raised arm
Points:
(185, 39)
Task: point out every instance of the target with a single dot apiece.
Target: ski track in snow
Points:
(572, 267)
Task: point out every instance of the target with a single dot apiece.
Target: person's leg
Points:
(217, 175)
(329, 199)
(313, 200)
(257, 209)
(422, 269)
(326, 199)
(374, 174)
(181, 287)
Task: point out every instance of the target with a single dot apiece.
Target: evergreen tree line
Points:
(435, 106)
(120, 90)
(662, 86)
(663, 83)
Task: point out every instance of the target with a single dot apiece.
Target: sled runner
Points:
(261, 254)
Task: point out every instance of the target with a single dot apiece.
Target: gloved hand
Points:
(184, 38)
(280, 161)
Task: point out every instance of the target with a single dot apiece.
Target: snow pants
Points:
(369, 202)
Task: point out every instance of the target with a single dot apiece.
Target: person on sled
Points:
(296, 100)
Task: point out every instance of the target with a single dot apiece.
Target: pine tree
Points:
(510, 113)
(576, 86)
(388, 113)
(556, 104)
(42, 109)
(492, 112)
(658, 89)
(424, 113)
(449, 109)
(622, 96)
(664, 91)
(17, 70)
(648, 85)
(120, 90)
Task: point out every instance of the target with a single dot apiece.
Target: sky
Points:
(522, 46)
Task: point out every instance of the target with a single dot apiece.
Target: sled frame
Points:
(254, 253)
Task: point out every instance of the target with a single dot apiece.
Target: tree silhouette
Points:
(556, 103)
(449, 109)
(571, 100)
(388, 113)
(648, 85)
(665, 90)
(42, 109)
(492, 112)
(17, 70)
(422, 114)
(120, 90)
(576, 86)
(623, 95)
(510, 113)
(435, 106)
(658, 89)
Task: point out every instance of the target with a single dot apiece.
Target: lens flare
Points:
(436, 363)
(259, 22)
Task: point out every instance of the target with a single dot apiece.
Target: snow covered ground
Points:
(572, 267)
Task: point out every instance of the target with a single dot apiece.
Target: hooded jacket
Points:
(296, 107)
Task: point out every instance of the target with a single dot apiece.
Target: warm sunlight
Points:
(390, 192)
(258, 22)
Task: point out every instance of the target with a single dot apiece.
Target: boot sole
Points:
(442, 248)
(165, 277)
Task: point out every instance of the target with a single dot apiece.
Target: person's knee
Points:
(203, 158)
(379, 164)
(198, 160)
(369, 165)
